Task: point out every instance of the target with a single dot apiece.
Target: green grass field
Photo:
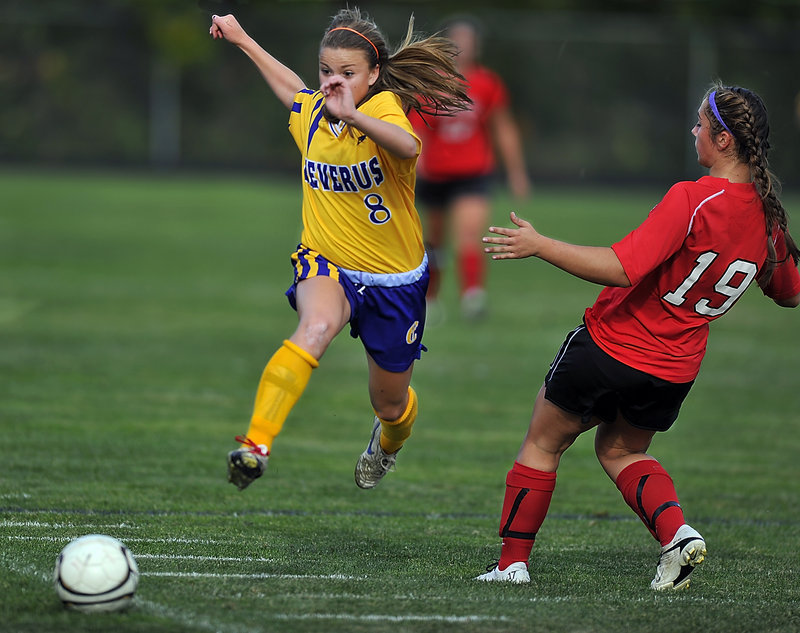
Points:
(136, 314)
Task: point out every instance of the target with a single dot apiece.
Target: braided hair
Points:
(421, 72)
(744, 116)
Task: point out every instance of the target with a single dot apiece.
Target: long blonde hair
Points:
(420, 71)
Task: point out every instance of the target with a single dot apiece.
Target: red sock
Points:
(528, 494)
(471, 267)
(648, 489)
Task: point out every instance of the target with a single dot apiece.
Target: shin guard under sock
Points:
(396, 432)
(527, 499)
(648, 489)
(283, 381)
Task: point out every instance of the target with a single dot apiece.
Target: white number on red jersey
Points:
(739, 271)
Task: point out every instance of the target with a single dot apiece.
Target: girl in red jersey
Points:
(456, 165)
(628, 368)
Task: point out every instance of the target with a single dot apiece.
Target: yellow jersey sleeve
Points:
(358, 199)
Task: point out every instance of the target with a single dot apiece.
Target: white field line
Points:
(370, 617)
(138, 556)
(59, 526)
(85, 528)
(218, 559)
(194, 574)
(127, 539)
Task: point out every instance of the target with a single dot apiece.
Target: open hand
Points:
(513, 243)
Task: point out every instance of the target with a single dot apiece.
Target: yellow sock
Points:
(396, 432)
(282, 383)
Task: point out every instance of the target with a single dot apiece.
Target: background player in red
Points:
(628, 368)
(456, 165)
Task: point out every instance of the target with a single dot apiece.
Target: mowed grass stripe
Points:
(370, 619)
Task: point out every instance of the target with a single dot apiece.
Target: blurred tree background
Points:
(603, 90)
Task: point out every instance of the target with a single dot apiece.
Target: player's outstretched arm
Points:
(598, 264)
(281, 79)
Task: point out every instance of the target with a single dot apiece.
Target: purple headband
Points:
(713, 105)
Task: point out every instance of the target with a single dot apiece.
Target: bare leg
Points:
(322, 310)
(619, 445)
(395, 405)
(551, 432)
(388, 391)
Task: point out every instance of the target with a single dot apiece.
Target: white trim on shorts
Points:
(386, 280)
(562, 352)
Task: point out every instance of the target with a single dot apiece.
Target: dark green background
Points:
(603, 90)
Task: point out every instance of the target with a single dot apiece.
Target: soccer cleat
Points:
(247, 463)
(515, 572)
(473, 304)
(678, 559)
(374, 463)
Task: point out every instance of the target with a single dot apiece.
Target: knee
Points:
(314, 334)
(390, 408)
(389, 411)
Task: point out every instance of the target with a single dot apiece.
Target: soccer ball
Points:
(96, 573)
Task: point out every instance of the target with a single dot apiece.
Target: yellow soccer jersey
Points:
(358, 199)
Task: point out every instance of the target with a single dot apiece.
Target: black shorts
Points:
(586, 381)
(441, 194)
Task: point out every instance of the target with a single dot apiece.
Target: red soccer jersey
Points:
(688, 263)
(459, 146)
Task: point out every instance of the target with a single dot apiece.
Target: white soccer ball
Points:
(96, 573)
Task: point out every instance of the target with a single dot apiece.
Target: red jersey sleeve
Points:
(785, 280)
(658, 237)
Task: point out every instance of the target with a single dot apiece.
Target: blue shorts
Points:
(584, 380)
(387, 314)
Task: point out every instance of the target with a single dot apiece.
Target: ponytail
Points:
(423, 74)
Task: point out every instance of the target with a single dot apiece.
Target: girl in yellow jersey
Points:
(361, 258)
